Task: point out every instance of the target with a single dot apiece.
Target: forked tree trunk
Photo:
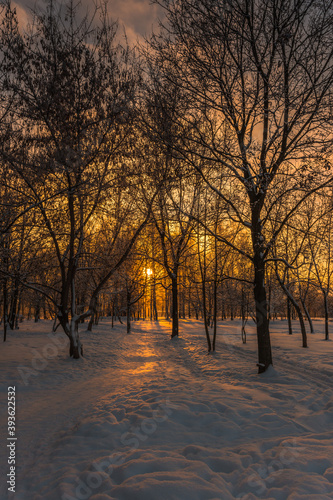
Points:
(307, 314)
(298, 312)
(94, 315)
(302, 324)
(55, 326)
(71, 329)
(75, 346)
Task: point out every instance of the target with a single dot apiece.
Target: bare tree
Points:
(74, 90)
(174, 229)
(319, 237)
(256, 80)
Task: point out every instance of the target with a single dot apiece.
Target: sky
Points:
(137, 16)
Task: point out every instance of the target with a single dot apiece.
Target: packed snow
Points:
(144, 417)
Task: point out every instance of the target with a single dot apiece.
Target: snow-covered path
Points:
(144, 417)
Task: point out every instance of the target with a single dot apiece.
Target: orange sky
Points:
(138, 16)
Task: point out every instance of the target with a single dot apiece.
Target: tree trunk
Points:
(209, 345)
(269, 300)
(215, 314)
(45, 316)
(17, 315)
(167, 314)
(75, 346)
(5, 310)
(308, 316)
(155, 313)
(175, 320)
(243, 316)
(326, 315)
(37, 311)
(189, 302)
(55, 326)
(94, 315)
(263, 338)
(290, 328)
(13, 306)
(128, 313)
(298, 312)
(302, 324)
(91, 322)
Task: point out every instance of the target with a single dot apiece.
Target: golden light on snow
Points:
(145, 368)
(146, 356)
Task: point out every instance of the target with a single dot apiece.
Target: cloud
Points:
(138, 17)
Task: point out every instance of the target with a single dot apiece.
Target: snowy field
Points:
(142, 417)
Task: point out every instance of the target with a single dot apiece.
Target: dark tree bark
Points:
(175, 318)
(262, 321)
(326, 315)
(307, 314)
(4, 310)
(215, 311)
(290, 329)
(259, 76)
(296, 308)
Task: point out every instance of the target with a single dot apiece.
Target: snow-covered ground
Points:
(142, 417)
